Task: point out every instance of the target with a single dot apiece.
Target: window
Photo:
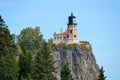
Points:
(64, 37)
(55, 38)
(74, 36)
(70, 31)
(67, 36)
(60, 37)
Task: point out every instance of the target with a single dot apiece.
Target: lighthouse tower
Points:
(72, 36)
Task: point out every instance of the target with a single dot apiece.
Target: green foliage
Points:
(8, 63)
(84, 47)
(26, 78)
(101, 74)
(6, 41)
(40, 65)
(43, 65)
(30, 39)
(70, 46)
(50, 41)
(54, 46)
(28, 43)
(26, 65)
(49, 62)
(2, 22)
(8, 67)
(64, 46)
(66, 73)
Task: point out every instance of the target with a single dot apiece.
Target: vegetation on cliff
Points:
(101, 74)
(84, 46)
(66, 73)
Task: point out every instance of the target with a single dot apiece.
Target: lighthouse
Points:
(70, 36)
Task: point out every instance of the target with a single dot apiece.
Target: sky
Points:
(98, 22)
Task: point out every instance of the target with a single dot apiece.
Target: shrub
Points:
(84, 47)
(70, 46)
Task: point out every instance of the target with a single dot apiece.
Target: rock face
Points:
(81, 62)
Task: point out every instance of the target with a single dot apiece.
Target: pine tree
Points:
(26, 66)
(49, 62)
(44, 68)
(8, 62)
(66, 73)
(39, 67)
(101, 74)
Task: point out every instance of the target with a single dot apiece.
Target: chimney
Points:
(60, 30)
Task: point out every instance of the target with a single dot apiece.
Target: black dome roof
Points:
(72, 16)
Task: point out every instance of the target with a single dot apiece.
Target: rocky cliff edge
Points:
(80, 60)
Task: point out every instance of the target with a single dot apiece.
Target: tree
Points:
(101, 74)
(8, 62)
(26, 66)
(28, 43)
(66, 73)
(44, 64)
(50, 41)
(30, 39)
(39, 67)
(49, 62)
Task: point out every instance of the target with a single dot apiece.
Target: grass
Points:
(84, 47)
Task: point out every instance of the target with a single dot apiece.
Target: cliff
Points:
(80, 60)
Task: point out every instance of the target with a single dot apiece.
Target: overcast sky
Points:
(98, 22)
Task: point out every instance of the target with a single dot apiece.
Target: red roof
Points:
(65, 32)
